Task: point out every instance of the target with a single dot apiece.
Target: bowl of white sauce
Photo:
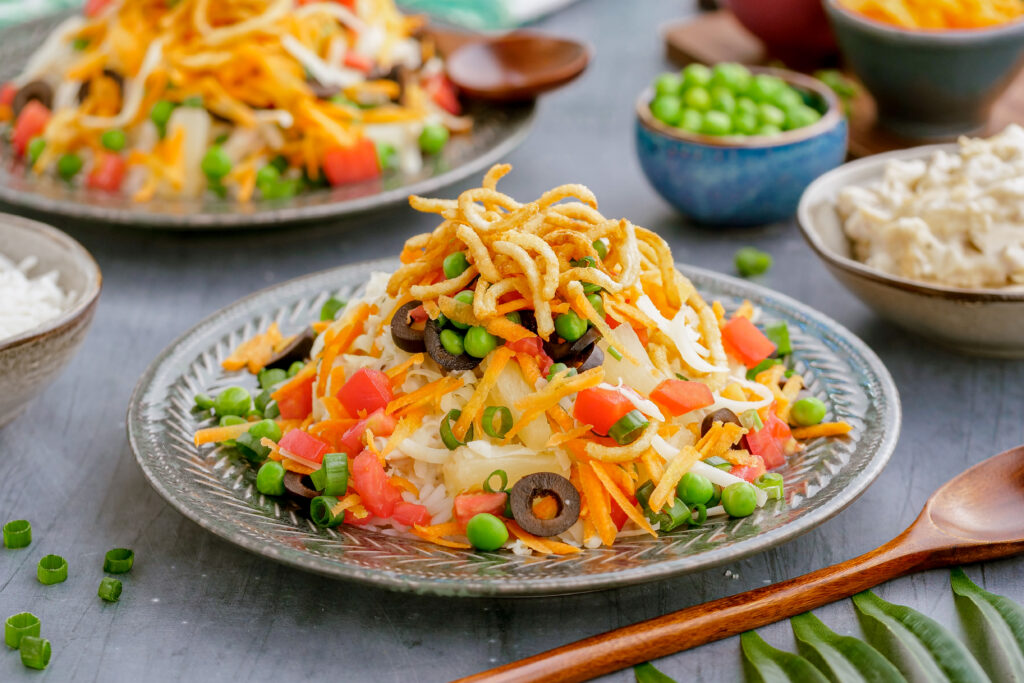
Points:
(931, 238)
(49, 286)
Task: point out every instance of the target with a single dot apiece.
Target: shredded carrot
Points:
(545, 507)
(536, 404)
(823, 429)
(405, 428)
(597, 504)
(334, 408)
(544, 546)
(616, 494)
(437, 532)
(296, 383)
(516, 305)
(654, 463)
(496, 363)
(321, 325)
(400, 369)
(564, 437)
(507, 330)
(424, 394)
(404, 484)
(217, 434)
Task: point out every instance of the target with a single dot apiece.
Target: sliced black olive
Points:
(589, 359)
(538, 485)
(85, 88)
(723, 415)
(33, 90)
(557, 348)
(404, 336)
(299, 485)
(297, 350)
(588, 338)
(528, 320)
(321, 91)
(432, 339)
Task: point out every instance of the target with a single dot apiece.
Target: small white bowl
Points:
(983, 322)
(31, 360)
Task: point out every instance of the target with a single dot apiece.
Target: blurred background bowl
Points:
(737, 180)
(30, 361)
(985, 322)
(795, 31)
(929, 84)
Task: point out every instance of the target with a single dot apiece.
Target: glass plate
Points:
(217, 490)
(496, 132)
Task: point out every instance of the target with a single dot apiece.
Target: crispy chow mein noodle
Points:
(537, 377)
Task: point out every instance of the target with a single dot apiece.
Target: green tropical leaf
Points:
(919, 646)
(646, 673)
(843, 659)
(995, 628)
(766, 664)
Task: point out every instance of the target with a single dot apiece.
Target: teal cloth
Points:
(18, 11)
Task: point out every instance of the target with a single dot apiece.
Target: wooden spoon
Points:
(514, 67)
(976, 516)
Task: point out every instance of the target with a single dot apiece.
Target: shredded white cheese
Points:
(715, 475)
(682, 335)
(27, 302)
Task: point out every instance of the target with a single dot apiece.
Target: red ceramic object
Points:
(795, 31)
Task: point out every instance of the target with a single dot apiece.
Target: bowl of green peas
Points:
(737, 145)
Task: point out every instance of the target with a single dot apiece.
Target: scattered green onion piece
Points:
(628, 427)
(195, 101)
(681, 376)
(772, 484)
(488, 421)
(204, 401)
(720, 463)
(110, 589)
(270, 377)
(295, 368)
(331, 308)
(79, 44)
(751, 420)
(502, 475)
(702, 514)
(767, 363)
(679, 514)
(585, 262)
(446, 431)
(249, 446)
(35, 652)
(18, 626)
(262, 400)
(779, 335)
(643, 493)
(17, 534)
(591, 288)
(272, 412)
(601, 248)
(332, 477)
(321, 512)
(118, 560)
(514, 317)
(270, 479)
(716, 497)
(614, 353)
(52, 569)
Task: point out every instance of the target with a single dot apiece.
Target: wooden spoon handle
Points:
(647, 640)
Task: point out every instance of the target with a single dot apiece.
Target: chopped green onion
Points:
(250, 447)
(110, 589)
(767, 363)
(332, 477)
(779, 335)
(262, 400)
(678, 515)
(502, 475)
(195, 101)
(514, 317)
(628, 427)
(270, 377)
(702, 514)
(118, 560)
(446, 431)
(270, 479)
(204, 401)
(79, 44)
(720, 463)
(716, 497)
(591, 288)
(19, 626)
(643, 493)
(772, 484)
(35, 652)
(272, 412)
(321, 511)
(488, 421)
(52, 569)
(585, 262)
(331, 308)
(751, 420)
(615, 353)
(681, 376)
(17, 534)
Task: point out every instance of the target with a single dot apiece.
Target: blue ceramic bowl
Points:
(741, 180)
(929, 84)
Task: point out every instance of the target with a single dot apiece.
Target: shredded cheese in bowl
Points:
(28, 302)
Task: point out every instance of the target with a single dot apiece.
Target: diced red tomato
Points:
(368, 478)
(94, 7)
(352, 519)
(442, 91)
(769, 442)
(467, 505)
(344, 165)
(612, 322)
(107, 174)
(619, 516)
(410, 513)
(377, 422)
(297, 402)
(7, 93)
(31, 122)
(351, 4)
(533, 346)
(304, 445)
(601, 408)
(354, 60)
(642, 335)
(419, 315)
(749, 472)
(679, 397)
(367, 390)
(746, 343)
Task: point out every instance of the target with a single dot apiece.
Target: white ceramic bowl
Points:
(31, 360)
(984, 322)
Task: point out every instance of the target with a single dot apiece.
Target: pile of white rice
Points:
(28, 302)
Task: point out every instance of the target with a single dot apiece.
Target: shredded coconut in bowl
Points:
(27, 302)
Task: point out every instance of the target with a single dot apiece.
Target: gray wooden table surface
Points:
(196, 608)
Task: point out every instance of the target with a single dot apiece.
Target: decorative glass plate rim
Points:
(326, 280)
(276, 213)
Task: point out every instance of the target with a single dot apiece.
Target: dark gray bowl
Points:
(929, 84)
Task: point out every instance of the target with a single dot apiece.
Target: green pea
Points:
(114, 140)
(695, 489)
(452, 342)
(204, 401)
(752, 261)
(696, 76)
(161, 112)
(716, 123)
(216, 163)
(270, 479)
(466, 297)
(455, 264)
(691, 120)
(35, 147)
(768, 129)
(597, 302)
(745, 124)
(69, 165)
(808, 411)
(228, 420)
(739, 499)
(730, 75)
(433, 138)
(387, 156)
(722, 99)
(601, 248)
(266, 428)
(232, 401)
(765, 88)
(801, 116)
(262, 400)
(745, 105)
(787, 98)
(283, 188)
(514, 317)
(270, 376)
(486, 532)
(560, 367)
(771, 115)
(295, 368)
(697, 98)
(668, 84)
(570, 326)
(479, 342)
(267, 176)
(667, 108)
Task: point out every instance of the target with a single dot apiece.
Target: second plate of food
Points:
(478, 419)
(254, 114)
